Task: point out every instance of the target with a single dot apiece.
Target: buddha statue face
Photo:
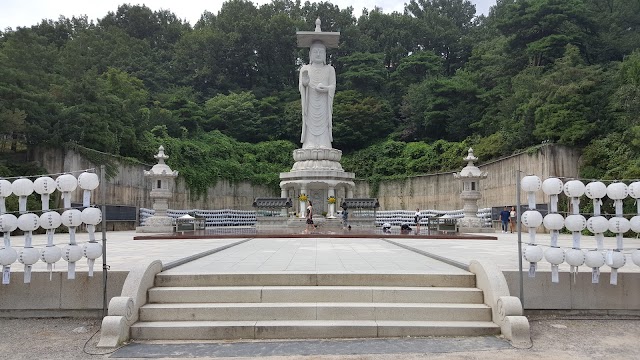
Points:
(317, 53)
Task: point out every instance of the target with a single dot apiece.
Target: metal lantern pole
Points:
(519, 237)
(104, 240)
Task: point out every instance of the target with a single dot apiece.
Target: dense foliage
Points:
(414, 89)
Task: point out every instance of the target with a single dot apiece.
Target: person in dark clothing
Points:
(504, 218)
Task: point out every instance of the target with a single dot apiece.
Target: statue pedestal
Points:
(157, 224)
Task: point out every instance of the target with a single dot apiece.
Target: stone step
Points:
(462, 279)
(315, 311)
(279, 294)
(318, 329)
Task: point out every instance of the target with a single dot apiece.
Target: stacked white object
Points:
(49, 220)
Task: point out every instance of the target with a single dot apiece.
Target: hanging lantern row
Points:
(49, 220)
(575, 222)
(45, 186)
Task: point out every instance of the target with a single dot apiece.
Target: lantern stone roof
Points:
(161, 169)
(329, 39)
(470, 171)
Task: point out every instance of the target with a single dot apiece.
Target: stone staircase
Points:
(309, 305)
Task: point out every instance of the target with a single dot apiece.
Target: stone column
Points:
(332, 207)
(303, 205)
(284, 194)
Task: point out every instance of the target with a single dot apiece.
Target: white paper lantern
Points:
(555, 256)
(5, 191)
(8, 223)
(619, 225)
(597, 224)
(44, 185)
(635, 257)
(554, 222)
(530, 183)
(8, 256)
(634, 190)
(595, 190)
(72, 253)
(92, 250)
(72, 218)
(50, 220)
(617, 191)
(594, 259)
(531, 218)
(575, 258)
(552, 186)
(28, 256)
(5, 188)
(533, 254)
(22, 187)
(91, 216)
(66, 183)
(51, 254)
(575, 222)
(574, 188)
(88, 181)
(28, 222)
(615, 260)
(635, 224)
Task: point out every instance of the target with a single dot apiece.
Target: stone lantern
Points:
(162, 182)
(470, 176)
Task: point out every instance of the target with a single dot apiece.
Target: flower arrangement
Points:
(303, 197)
(331, 199)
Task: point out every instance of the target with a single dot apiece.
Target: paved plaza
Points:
(553, 338)
(316, 254)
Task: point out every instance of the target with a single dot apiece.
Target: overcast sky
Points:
(14, 13)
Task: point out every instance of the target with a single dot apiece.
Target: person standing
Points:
(417, 221)
(345, 216)
(309, 217)
(512, 218)
(504, 217)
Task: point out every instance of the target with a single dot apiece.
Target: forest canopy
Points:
(415, 89)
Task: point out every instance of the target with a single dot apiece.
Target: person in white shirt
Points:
(417, 221)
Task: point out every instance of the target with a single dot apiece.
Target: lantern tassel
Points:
(6, 274)
(554, 274)
(86, 198)
(71, 275)
(532, 269)
(45, 201)
(595, 275)
(554, 238)
(50, 270)
(614, 277)
(90, 263)
(554, 203)
(600, 241)
(27, 274)
(22, 204)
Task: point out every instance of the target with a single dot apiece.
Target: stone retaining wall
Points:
(433, 191)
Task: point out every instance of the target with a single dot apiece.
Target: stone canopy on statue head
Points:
(329, 39)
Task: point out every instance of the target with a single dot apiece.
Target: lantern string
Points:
(43, 175)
